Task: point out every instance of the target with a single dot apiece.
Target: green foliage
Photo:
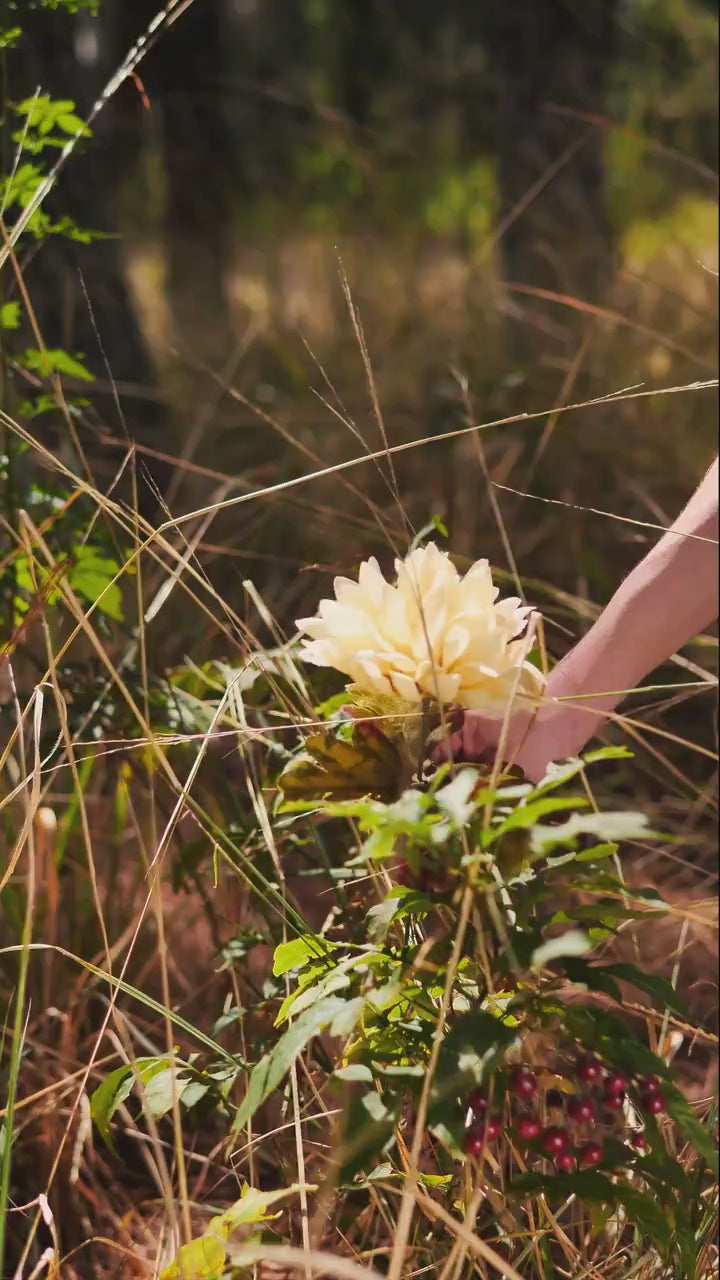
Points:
(160, 1083)
(89, 573)
(47, 362)
(372, 993)
(117, 1087)
(47, 122)
(204, 1257)
(89, 565)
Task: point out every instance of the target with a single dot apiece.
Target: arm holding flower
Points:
(669, 598)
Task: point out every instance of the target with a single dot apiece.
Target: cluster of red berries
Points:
(555, 1141)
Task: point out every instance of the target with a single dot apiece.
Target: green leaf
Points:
(296, 953)
(526, 815)
(592, 976)
(118, 1086)
(454, 799)
(9, 315)
(252, 1207)
(273, 1068)
(598, 852)
(91, 577)
(685, 1118)
(72, 124)
(380, 917)
(355, 1071)
(10, 37)
(608, 753)
(368, 1128)
(563, 771)
(660, 989)
(161, 1088)
(201, 1259)
(473, 1046)
(55, 360)
(572, 943)
(589, 1185)
(611, 827)
(204, 1258)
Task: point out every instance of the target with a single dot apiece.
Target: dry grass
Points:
(135, 839)
(128, 806)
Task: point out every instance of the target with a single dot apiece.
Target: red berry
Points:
(591, 1154)
(493, 1128)
(582, 1110)
(523, 1082)
(554, 1099)
(478, 1102)
(653, 1103)
(474, 1142)
(649, 1084)
(405, 876)
(528, 1128)
(639, 1140)
(555, 1141)
(477, 1138)
(588, 1069)
(565, 1163)
(614, 1101)
(615, 1082)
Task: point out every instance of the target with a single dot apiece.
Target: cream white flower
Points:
(433, 634)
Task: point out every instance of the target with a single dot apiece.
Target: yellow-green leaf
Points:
(369, 765)
(201, 1259)
(204, 1258)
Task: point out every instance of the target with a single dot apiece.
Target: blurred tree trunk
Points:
(183, 77)
(551, 62)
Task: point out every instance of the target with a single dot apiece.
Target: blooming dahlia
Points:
(432, 634)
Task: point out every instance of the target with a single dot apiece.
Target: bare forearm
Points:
(670, 597)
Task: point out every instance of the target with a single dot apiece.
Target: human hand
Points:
(530, 741)
(477, 739)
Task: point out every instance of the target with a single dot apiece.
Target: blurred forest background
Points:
(516, 203)
(321, 226)
(520, 197)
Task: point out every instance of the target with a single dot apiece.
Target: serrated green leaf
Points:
(160, 1090)
(252, 1207)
